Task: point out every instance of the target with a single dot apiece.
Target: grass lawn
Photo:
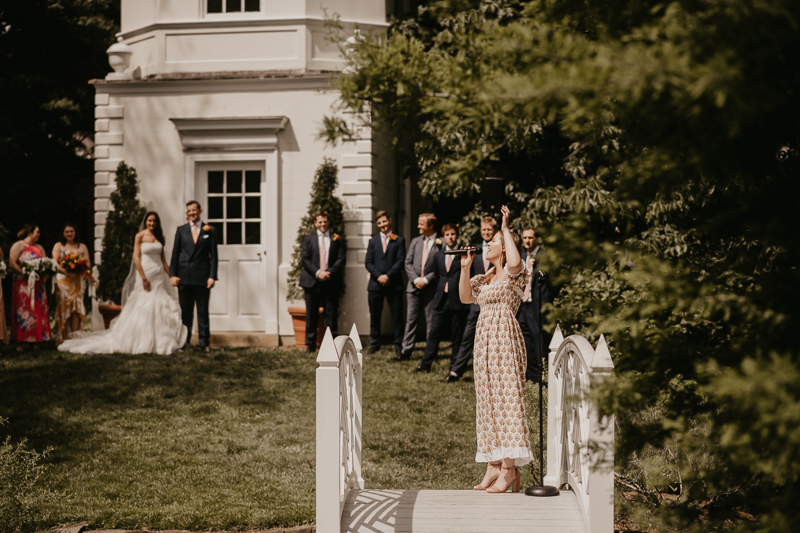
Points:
(224, 440)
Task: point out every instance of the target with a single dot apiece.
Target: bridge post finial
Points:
(551, 476)
(602, 357)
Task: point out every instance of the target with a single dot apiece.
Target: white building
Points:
(222, 102)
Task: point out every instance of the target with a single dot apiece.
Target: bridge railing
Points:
(339, 425)
(580, 445)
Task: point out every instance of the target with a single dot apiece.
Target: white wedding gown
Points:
(150, 322)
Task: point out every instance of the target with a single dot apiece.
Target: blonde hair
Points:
(514, 237)
(430, 219)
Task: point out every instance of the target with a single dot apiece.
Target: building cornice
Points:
(217, 82)
(229, 133)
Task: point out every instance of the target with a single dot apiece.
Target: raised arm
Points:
(464, 288)
(513, 260)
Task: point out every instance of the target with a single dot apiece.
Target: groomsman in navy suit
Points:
(386, 255)
(193, 270)
(538, 291)
(447, 304)
(323, 255)
(479, 266)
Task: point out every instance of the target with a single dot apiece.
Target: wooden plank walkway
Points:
(463, 511)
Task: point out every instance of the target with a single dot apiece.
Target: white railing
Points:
(580, 447)
(339, 421)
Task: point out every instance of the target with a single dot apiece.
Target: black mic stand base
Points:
(541, 491)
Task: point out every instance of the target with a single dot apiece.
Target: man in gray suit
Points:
(421, 281)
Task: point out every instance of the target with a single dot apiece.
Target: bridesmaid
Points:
(70, 309)
(30, 320)
(3, 328)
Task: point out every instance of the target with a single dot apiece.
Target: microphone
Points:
(465, 251)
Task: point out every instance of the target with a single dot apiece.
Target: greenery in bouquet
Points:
(322, 199)
(122, 225)
(77, 263)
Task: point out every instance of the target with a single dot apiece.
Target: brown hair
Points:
(26, 230)
(448, 227)
(489, 220)
(514, 237)
(320, 214)
(63, 239)
(430, 218)
(195, 202)
(380, 214)
(528, 227)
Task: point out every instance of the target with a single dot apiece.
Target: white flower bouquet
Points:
(3, 269)
(33, 268)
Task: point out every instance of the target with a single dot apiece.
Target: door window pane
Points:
(234, 207)
(252, 5)
(219, 228)
(233, 5)
(215, 207)
(252, 181)
(252, 233)
(234, 233)
(234, 181)
(252, 207)
(215, 180)
(214, 6)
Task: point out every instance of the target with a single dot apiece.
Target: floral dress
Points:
(30, 320)
(3, 330)
(69, 298)
(499, 363)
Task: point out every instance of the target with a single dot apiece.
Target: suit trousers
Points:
(460, 361)
(420, 303)
(189, 296)
(458, 320)
(320, 295)
(395, 300)
(532, 336)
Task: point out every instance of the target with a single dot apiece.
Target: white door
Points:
(234, 200)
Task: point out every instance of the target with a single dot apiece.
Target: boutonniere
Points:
(336, 237)
(206, 228)
(392, 237)
(531, 260)
(438, 242)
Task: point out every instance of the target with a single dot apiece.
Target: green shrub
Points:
(21, 495)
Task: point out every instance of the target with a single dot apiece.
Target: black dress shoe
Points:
(421, 368)
(451, 378)
(402, 356)
(205, 349)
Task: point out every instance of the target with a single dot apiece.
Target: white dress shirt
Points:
(327, 248)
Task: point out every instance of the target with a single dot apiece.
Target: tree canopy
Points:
(655, 145)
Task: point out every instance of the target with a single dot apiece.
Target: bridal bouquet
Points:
(33, 268)
(3, 269)
(76, 263)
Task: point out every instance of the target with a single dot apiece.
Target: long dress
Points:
(499, 363)
(69, 300)
(30, 317)
(3, 328)
(150, 322)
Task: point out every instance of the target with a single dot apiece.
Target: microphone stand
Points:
(541, 489)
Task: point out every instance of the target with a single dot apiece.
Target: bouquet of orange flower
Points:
(74, 263)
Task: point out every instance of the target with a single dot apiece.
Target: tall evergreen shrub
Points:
(122, 225)
(322, 199)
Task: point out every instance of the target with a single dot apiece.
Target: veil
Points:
(130, 281)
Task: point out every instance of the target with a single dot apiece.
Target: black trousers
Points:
(458, 320)
(320, 295)
(189, 296)
(395, 299)
(460, 361)
(526, 316)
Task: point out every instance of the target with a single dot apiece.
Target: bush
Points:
(322, 199)
(21, 495)
(122, 225)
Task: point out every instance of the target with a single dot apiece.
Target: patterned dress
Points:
(30, 320)
(69, 298)
(3, 329)
(499, 364)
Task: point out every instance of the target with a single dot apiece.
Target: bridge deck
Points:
(463, 511)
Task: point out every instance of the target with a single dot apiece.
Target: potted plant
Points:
(122, 225)
(326, 179)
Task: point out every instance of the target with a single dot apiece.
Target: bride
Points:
(150, 321)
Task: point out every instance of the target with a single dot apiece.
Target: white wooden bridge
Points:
(579, 460)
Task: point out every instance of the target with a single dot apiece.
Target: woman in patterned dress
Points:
(70, 309)
(30, 320)
(3, 328)
(499, 361)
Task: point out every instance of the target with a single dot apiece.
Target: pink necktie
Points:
(526, 294)
(424, 255)
(194, 233)
(447, 263)
(385, 240)
(323, 265)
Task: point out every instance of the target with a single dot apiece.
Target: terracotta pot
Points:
(109, 312)
(299, 323)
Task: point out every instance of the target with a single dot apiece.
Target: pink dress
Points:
(499, 363)
(30, 317)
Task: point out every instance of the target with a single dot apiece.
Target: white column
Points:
(328, 468)
(551, 478)
(600, 485)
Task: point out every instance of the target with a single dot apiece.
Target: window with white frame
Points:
(232, 6)
(234, 205)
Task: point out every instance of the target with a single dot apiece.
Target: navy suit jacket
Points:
(309, 255)
(531, 309)
(194, 262)
(390, 263)
(449, 299)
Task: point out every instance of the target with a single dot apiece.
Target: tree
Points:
(322, 199)
(658, 144)
(122, 225)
